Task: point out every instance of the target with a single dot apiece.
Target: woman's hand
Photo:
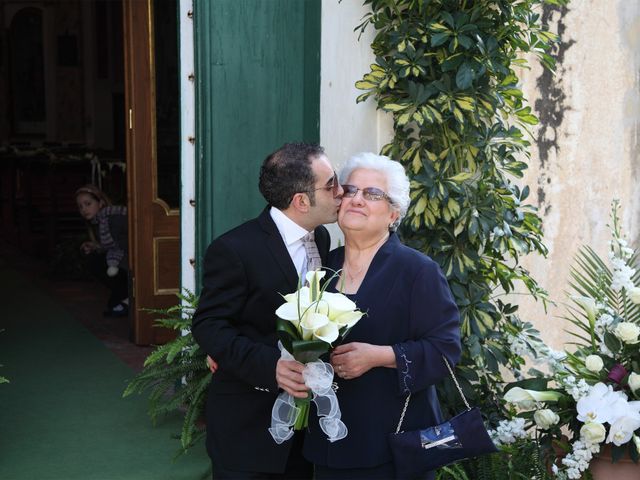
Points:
(354, 359)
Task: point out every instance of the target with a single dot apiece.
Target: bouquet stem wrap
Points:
(287, 416)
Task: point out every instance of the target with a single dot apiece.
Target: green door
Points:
(258, 86)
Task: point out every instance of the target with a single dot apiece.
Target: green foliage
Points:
(523, 460)
(446, 71)
(176, 374)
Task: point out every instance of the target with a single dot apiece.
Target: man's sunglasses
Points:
(332, 185)
(368, 193)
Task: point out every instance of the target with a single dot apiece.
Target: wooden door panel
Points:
(166, 265)
(154, 226)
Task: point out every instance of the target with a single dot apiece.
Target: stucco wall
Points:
(347, 128)
(585, 150)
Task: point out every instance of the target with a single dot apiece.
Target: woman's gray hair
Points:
(397, 181)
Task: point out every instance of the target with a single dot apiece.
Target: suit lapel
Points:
(278, 250)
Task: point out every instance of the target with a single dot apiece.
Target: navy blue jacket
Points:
(409, 307)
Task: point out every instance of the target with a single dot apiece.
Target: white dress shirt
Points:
(292, 234)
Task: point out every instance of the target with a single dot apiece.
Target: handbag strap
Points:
(455, 381)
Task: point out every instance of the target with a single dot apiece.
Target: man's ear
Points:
(300, 202)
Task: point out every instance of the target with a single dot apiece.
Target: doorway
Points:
(89, 94)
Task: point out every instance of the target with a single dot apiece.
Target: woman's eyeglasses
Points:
(368, 193)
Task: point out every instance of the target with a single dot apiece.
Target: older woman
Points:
(397, 348)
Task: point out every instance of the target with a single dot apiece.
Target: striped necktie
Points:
(314, 261)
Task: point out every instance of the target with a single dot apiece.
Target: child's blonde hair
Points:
(95, 192)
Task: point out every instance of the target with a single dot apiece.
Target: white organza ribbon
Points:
(318, 376)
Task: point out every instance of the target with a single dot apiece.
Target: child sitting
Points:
(106, 251)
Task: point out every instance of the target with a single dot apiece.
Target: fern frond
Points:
(175, 375)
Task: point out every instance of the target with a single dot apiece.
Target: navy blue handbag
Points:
(464, 436)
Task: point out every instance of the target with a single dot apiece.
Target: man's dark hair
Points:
(287, 171)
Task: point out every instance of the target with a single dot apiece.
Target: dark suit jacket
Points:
(245, 271)
(410, 307)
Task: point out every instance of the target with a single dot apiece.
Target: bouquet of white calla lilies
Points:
(317, 314)
(309, 322)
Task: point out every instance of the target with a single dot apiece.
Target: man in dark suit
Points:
(245, 271)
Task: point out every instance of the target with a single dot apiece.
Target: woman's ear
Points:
(394, 216)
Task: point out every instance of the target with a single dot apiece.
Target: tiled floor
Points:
(85, 300)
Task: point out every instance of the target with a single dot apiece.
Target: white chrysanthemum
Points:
(576, 388)
(508, 431)
(621, 274)
(603, 322)
(578, 460)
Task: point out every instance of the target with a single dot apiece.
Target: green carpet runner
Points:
(62, 415)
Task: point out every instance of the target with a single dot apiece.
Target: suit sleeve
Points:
(215, 322)
(434, 324)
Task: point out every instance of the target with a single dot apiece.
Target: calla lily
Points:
(302, 296)
(588, 304)
(289, 312)
(347, 319)
(327, 333)
(311, 322)
(313, 279)
(528, 398)
(338, 304)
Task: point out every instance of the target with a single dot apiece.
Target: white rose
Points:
(593, 432)
(634, 381)
(545, 418)
(634, 295)
(593, 363)
(627, 332)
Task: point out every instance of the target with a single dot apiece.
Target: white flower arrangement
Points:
(594, 391)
